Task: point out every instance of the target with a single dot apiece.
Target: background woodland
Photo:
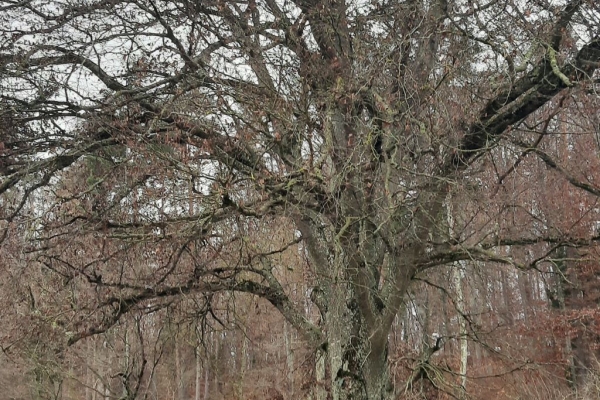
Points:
(285, 199)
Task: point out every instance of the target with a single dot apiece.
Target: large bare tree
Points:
(149, 146)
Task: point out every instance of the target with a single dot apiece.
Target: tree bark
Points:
(558, 300)
(179, 370)
(356, 356)
(198, 379)
(458, 271)
(289, 354)
(462, 327)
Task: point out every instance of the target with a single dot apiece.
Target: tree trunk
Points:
(320, 391)
(557, 300)
(289, 354)
(525, 289)
(507, 294)
(458, 272)
(198, 372)
(357, 361)
(89, 376)
(179, 382)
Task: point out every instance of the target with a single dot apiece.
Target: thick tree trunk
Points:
(320, 390)
(357, 361)
(364, 263)
(357, 321)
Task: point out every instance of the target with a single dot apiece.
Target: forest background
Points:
(287, 199)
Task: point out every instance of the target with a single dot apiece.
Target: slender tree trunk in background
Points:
(89, 377)
(481, 307)
(572, 298)
(126, 363)
(507, 295)
(179, 383)
(458, 275)
(244, 362)
(104, 375)
(206, 383)
(525, 285)
(288, 338)
(95, 387)
(557, 299)
(445, 318)
(458, 272)
(498, 313)
(424, 313)
(242, 350)
(198, 379)
(218, 364)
